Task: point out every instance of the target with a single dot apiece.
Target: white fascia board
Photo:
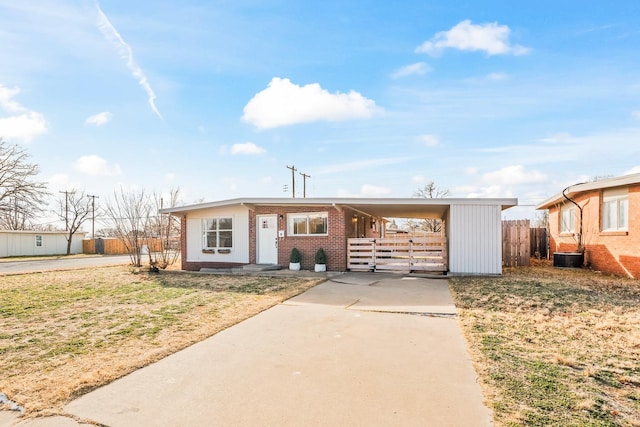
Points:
(589, 186)
(251, 202)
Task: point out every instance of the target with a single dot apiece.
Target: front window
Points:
(308, 224)
(615, 211)
(218, 233)
(567, 219)
(38, 241)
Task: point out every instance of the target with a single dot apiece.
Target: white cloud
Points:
(247, 148)
(99, 119)
(418, 179)
(633, 170)
(636, 114)
(429, 140)
(170, 177)
(126, 53)
(513, 175)
(417, 69)
(497, 76)
(96, 166)
(21, 123)
(490, 38)
(25, 126)
(6, 101)
(495, 191)
(561, 138)
(58, 180)
(284, 103)
(505, 182)
(266, 180)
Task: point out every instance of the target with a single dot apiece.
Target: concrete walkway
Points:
(372, 350)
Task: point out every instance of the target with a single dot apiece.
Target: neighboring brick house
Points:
(610, 223)
(233, 233)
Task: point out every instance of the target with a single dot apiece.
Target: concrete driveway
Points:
(372, 350)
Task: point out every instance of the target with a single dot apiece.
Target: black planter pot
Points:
(568, 259)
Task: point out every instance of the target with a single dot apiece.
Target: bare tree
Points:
(165, 229)
(20, 215)
(430, 191)
(21, 197)
(134, 218)
(541, 220)
(74, 209)
(127, 215)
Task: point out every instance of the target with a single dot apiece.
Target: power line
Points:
(93, 214)
(293, 179)
(66, 208)
(304, 184)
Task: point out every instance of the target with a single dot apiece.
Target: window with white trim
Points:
(615, 210)
(308, 224)
(38, 241)
(217, 233)
(567, 219)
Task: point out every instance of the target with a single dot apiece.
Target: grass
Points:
(63, 334)
(555, 347)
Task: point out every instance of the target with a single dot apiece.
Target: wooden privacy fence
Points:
(398, 254)
(113, 246)
(539, 242)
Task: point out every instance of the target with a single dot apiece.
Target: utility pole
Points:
(293, 179)
(66, 209)
(304, 184)
(93, 215)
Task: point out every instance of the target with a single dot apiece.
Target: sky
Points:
(370, 99)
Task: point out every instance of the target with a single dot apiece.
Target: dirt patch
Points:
(63, 334)
(555, 346)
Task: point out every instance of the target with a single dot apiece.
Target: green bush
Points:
(295, 255)
(321, 257)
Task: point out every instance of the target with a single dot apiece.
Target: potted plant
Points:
(321, 260)
(294, 259)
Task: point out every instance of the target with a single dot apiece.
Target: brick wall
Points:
(610, 252)
(342, 225)
(334, 244)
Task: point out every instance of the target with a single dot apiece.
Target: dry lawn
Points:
(63, 334)
(555, 347)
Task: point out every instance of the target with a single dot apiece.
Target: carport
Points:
(470, 241)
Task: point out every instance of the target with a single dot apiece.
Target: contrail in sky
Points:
(126, 53)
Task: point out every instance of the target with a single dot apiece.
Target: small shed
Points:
(38, 243)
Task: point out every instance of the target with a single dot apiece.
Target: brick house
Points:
(610, 223)
(237, 232)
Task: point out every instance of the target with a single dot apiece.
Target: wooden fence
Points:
(539, 242)
(516, 248)
(398, 254)
(113, 246)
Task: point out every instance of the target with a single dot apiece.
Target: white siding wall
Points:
(23, 243)
(239, 252)
(475, 239)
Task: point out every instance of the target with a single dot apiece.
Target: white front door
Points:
(267, 239)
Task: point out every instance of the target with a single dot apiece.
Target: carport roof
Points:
(378, 207)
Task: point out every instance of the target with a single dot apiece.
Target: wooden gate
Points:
(516, 250)
(398, 254)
